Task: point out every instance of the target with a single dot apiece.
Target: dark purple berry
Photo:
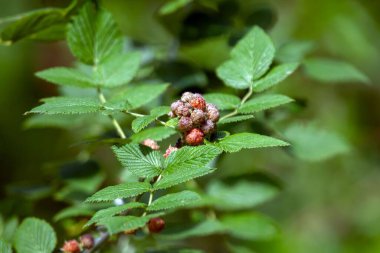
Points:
(198, 117)
(185, 124)
(208, 127)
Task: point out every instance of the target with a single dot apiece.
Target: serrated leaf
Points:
(154, 133)
(332, 71)
(147, 164)
(236, 142)
(126, 223)
(250, 59)
(117, 69)
(233, 119)
(205, 228)
(68, 105)
(73, 211)
(294, 51)
(124, 190)
(35, 236)
(67, 76)
(139, 95)
(264, 102)
(223, 101)
(185, 164)
(29, 25)
(5, 247)
(112, 211)
(172, 122)
(172, 6)
(174, 200)
(159, 111)
(141, 122)
(275, 76)
(312, 144)
(249, 226)
(93, 35)
(241, 195)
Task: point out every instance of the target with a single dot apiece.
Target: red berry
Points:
(151, 143)
(185, 124)
(194, 137)
(156, 225)
(170, 150)
(71, 246)
(212, 112)
(87, 241)
(198, 102)
(208, 127)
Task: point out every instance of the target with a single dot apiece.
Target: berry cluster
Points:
(73, 246)
(196, 117)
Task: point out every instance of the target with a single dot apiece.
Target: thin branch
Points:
(243, 100)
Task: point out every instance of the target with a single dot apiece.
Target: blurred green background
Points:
(330, 177)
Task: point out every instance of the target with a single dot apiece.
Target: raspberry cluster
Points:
(73, 246)
(196, 117)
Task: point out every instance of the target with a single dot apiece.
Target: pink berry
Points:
(71, 246)
(194, 137)
(87, 241)
(169, 150)
(151, 143)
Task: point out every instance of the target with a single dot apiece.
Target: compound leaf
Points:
(67, 76)
(125, 190)
(68, 105)
(174, 200)
(264, 102)
(223, 101)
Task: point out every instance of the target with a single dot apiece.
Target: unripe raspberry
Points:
(198, 101)
(71, 246)
(198, 117)
(185, 124)
(87, 241)
(194, 137)
(187, 96)
(156, 225)
(212, 112)
(151, 143)
(169, 150)
(175, 105)
(208, 127)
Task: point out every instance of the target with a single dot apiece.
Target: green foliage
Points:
(67, 76)
(223, 101)
(144, 165)
(174, 200)
(173, 6)
(125, 190)
(155, 133)
(141, 122)
(250, 60)
(35, 236)
(263, 102)
(327, 70)
(5, 247)
(68, 105)
(73, 211)
(236, 142)
(235, 119)
(312, 144)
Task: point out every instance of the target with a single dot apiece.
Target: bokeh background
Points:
(329, 200)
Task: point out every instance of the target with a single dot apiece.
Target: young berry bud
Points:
(198, 102)
(71, 246)
(151, 143)
(171, 115)
(185, 124)
(194, 137)
(175, 105)
(208, 127)
(198, 117)
(187, 96)
(212, 112)
(156, 225)
(170, 150)
(87, 241)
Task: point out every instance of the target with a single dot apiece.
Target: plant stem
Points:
(114, 121)
(243, 100)
(152, 194)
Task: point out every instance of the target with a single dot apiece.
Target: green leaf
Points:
(147, 164)
(223, 101)
(93, 35)
(172, 6)
(8, 229)
(205, 228)
(235, 119)
(236, 142)
(174, 200)
(187, 163)
(263, 102)
(139, 95)
(125, 223)
(332, 71)
(249, 226)
(29, 25)
(112, 211)
(312, 144)
(241, 195)
(154, 133)
(275, 76)
(35, 236)
(68, 105)
(250, 59)
(294, 51)
(67, 76)
(117, 69)
(5, 247)
(141, 122)
(73, 211)
(125, 190)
